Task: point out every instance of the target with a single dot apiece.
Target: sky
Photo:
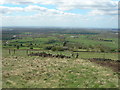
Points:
(60, 13)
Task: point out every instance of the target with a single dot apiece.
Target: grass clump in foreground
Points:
(38, 72)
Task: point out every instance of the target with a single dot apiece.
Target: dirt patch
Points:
(113, 64)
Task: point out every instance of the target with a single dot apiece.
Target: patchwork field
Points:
(59, 58)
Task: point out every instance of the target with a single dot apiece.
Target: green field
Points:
(83, 55)
(23, 71)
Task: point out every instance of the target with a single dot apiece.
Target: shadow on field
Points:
(113, 64)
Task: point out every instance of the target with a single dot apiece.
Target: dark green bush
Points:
(31, 47)
(18, 47)
(48, 47)
(51, 41)
(57, 49)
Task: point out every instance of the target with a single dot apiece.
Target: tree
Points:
(31, 47)
(64, 43)
(18, 46)
(21, 45)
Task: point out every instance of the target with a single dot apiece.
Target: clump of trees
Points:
(48, 47)
(17, 46)
(51, 41)
(31, 47)
(58, 48)
(106, 49)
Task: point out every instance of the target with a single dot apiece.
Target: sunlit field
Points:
(60, 59)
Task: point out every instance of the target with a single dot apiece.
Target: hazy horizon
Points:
(55, 27)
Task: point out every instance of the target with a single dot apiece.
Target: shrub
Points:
(4, 44)
(21, 45)
(48, 47)
(104, 49)
(53, 49)
(58, 49)
(18, 47)
(113, 50)
(51, 41)
(31, 47)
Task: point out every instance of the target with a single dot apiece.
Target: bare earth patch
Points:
(113, 64)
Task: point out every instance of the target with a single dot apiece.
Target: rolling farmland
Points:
(59, 58)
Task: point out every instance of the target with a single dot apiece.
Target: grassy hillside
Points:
(38, 72)
(82, 65)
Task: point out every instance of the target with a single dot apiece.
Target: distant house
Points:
(116, 33)
(74, 36)
(14, 36)
(7, 42)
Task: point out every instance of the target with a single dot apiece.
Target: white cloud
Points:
(98, 6)
(33, 8)
(68, 4)
(6, 10)
(87, 4)
(103, 12)
(59, 16)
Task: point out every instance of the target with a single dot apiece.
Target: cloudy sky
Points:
(60, 13)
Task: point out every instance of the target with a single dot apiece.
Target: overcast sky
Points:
(60, 13)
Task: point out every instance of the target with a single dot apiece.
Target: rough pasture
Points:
(40, 72)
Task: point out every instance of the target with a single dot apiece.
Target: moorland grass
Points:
(38, 72)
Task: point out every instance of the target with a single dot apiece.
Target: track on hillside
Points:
(113, 64)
